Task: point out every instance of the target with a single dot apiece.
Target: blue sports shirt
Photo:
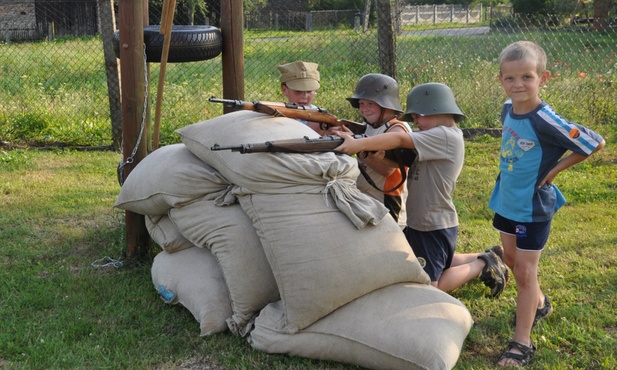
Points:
(531, 146)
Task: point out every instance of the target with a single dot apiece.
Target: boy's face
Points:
(521, 82)
(432, 121)
(370, 110)
(301, 98)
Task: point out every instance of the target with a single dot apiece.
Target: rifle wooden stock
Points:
(304, 145)
(292, 110)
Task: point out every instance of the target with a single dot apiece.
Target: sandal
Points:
(521, 359)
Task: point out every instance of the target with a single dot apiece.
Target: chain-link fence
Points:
(53, 73)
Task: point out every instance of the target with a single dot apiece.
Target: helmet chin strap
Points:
(381, 121)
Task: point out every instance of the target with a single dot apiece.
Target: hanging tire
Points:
(187, 43)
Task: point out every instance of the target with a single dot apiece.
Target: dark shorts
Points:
(530, 236)
(434, 249)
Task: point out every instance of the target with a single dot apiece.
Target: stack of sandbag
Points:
(311, 266)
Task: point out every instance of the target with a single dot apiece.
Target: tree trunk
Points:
(600, 13)
(367, 15)
(107, 22)
(386, 38)
(398, 9)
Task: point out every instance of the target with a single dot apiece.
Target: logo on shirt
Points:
(525, 144)
(574, 133)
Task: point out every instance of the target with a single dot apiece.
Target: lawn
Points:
(59, 310)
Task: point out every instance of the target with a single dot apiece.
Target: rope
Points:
(106, 262)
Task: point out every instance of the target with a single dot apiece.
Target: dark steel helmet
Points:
(381, 89)
(430, 99)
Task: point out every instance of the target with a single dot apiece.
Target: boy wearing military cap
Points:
(299, 83)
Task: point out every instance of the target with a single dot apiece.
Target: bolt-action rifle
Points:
(292, 110)
(311, 145)
(303, 145)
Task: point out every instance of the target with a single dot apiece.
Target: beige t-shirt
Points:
(432, 178)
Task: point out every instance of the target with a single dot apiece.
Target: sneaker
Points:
(498, 250)
(541, 313)
(493, 273)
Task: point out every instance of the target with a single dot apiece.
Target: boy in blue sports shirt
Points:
(534, 141)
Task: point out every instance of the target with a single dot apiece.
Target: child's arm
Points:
(385, 141)
(567, 162)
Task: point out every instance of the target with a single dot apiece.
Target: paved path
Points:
(471, 31)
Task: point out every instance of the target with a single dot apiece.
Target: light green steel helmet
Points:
(432, 98)
(379, 88)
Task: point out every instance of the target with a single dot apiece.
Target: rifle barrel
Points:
(300, 145)
(233, 148)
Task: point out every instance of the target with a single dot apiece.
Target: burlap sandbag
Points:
(193, 278)
(320, 260)
(168, 177)
(402, 326)
(276, 173)
(166, 234)
(229, 234)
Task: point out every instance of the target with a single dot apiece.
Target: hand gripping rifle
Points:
(303, 145)
(292, 110)
(308, 145)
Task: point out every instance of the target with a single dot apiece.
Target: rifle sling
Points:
(398, 156)
(401, 164)
(264, 108)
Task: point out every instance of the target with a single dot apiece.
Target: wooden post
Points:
(233, 50)
(133, 75)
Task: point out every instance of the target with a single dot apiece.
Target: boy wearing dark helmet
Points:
(377, 98)
(432, 224)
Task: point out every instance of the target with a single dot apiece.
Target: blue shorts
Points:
(434, 249)
(530, 236)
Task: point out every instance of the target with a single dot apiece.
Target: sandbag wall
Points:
(284, 250)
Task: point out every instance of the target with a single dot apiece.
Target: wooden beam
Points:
(133, 74)
(233, 50)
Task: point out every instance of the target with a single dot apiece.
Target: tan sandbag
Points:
(193, 278)
(320, 260)
(402, 326)
(168, 177)
(229, 234)
(276, 173)
(166, 234)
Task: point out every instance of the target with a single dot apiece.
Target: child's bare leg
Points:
(525, 269)
(464, 268)
(464, 258)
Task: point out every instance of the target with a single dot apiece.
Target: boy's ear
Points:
(544, 77)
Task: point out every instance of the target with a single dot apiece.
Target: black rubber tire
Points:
(187, 44)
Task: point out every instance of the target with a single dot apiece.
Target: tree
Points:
(367, 13)
(387, 41)
(530, 7)
(601, 9)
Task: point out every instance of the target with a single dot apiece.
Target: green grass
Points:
(59, 312)
(56, 92)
